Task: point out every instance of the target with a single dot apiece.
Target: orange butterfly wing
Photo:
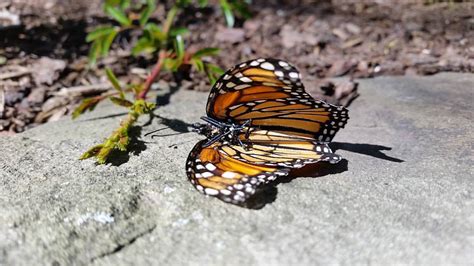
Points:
(215, 173)
(233, 173)
(270, 93)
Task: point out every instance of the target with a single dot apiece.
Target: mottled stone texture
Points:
(403, 194)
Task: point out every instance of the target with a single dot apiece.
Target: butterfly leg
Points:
(247, 133)
(247, 124)
(214, 139)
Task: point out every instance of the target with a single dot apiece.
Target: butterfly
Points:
(260, 124)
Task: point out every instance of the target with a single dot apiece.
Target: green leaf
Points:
(169, 64)
(169, 19)
(87, 104)
(202, 3)
(118, 15)
(136, 88)
(121, 101)
(94, 51)
(98, 33)
(183, 3)
(104, 153)
(241, 7)
(124, 4)
(143, 45)
(142, 107)
(115, 83)
(107, 42)
(215, 69)
(178, 31)
(147, 12)
(213, 72)
(179, 47)
(94, 151)
(122, 143)
(227, 10)
(198, 64)
(155, 31)
(206, 52)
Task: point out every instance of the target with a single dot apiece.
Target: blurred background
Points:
(48, 65)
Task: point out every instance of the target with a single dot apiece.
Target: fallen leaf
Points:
(36, 96)
(46, 70)
(341, 67)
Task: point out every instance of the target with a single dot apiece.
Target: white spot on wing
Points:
(293, 75)
(229, 174)
(225, 192)
(267, 66)
(245, 79)
(211, 191)
(240, 87)
(207, 174)
(279, 73)
(254, 63)
(210, 167)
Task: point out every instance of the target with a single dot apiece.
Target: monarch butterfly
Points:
(260, 124)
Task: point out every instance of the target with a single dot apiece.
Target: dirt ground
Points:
(43, 53)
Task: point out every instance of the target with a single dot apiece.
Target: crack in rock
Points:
(129, 242)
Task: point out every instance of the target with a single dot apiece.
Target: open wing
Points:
(233, 173)
(214, 172)
(270, 93)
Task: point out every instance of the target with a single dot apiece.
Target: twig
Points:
(15, 74)
(153, 75)
(2, 101)
(84, 90)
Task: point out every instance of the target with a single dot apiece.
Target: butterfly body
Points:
(260, 124)
(217, 130)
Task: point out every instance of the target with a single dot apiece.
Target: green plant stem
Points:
(117, 136)
(169, 19)
(153, 75)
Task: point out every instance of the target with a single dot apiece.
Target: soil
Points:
(43, 53)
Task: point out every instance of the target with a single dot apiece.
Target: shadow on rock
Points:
(135, 147)
(268, 193)
(162, 100)
(366, 149)
(177, 127)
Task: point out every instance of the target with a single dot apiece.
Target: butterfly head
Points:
(203, 129)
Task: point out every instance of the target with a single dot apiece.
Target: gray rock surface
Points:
(412, 204)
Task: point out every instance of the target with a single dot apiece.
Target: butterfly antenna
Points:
(163, 135)
(213, 122)
(154, 131)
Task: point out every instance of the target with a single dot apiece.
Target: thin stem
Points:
(162, 56)
(153, 75)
